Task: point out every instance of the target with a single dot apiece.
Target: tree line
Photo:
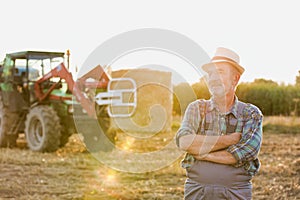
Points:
(272, 98)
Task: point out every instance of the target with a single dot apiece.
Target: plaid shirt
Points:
(244, 118)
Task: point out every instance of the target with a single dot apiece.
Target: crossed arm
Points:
(210, 148)
(228, 149)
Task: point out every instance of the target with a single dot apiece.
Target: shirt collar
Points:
(234, 109)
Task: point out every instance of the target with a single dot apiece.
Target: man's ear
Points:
(236, 78)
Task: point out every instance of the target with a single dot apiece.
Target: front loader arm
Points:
(113, 96)
(59, 71)
(62, 72)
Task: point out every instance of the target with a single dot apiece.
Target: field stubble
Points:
(73, 173)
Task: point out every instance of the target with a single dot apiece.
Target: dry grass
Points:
(281, 124)
(282, 120)
(72, 173)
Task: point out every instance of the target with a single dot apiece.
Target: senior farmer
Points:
(222, 136)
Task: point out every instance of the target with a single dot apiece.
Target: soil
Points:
(73, 173)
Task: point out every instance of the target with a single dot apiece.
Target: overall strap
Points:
(202, 109)
(240, 113)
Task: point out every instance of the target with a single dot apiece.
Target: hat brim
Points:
(207, 66)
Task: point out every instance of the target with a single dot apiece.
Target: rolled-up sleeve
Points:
(248, 147)
(190, 122)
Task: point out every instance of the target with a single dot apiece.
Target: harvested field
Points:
(72, 173)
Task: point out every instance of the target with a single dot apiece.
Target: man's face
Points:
(220, 79)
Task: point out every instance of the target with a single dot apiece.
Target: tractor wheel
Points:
(42, 129)
(7, 118)
(95, 141)
(64, 138)
(104, 122)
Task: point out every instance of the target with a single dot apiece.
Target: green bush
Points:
(271, 97)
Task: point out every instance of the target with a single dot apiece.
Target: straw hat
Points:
(225, 55)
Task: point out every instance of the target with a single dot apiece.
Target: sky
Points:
(265, 34)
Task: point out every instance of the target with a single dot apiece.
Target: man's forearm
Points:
(222, 157)
(202, 144)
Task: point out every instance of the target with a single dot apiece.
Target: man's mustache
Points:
(215, 83)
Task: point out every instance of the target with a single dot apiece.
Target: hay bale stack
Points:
(154, 101)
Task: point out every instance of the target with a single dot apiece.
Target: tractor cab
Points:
(19, 72)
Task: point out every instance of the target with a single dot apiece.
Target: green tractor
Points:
(39, 97)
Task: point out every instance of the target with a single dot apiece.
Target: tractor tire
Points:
(105, 123)
(42, 129)
(96, 141)
(7, 118)
(64, 138)
(99, 141)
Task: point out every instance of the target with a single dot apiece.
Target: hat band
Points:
(216, 61)
(221, 58)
